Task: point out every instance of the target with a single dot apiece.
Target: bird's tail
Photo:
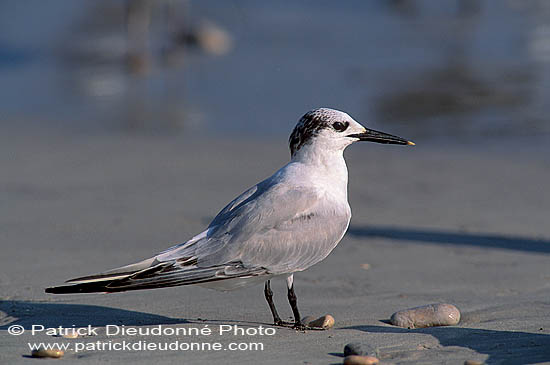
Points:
(102, 282)
(150, 273)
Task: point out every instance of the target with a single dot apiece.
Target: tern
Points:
(284, 224)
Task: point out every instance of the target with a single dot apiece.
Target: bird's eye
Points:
(339, 126)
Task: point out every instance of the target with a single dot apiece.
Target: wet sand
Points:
(462, 225)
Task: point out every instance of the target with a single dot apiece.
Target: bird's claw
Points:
(299, 326)
(303, 327)
(282, 323)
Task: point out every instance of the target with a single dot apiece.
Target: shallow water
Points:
(450, 71)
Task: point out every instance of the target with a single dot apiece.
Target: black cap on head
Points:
(311, 124)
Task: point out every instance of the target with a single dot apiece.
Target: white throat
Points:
(326, 166)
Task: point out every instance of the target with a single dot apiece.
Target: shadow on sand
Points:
(503, 347)
(27, 314)
(526, 244)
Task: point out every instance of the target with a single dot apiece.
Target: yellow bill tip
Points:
(411, 143)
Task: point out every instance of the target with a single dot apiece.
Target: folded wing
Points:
(270, 229)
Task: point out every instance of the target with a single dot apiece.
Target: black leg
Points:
(293, 300)
(269, 297)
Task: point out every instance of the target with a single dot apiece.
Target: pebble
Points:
(360, 360)
(214, 39)
(439, 314)
(70, 334)
(325, 322)
(42, 352)
(473, 362)
(358, 348)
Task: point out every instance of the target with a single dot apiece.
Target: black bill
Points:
(371, 135)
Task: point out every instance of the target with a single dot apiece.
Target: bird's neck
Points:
(327, 167)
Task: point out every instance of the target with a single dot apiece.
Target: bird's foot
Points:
(299, 326)
(280, 323)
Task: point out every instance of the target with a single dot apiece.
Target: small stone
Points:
(473, 362)
(358, 348)
(42, 352)
(70, 334)
(214, 39)
(365, 266)
(439, 314)
(325, 322)
(360, 360)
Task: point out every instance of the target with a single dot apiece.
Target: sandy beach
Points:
(126, 126)
(466, 225)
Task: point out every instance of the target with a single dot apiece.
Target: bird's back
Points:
(284, 224)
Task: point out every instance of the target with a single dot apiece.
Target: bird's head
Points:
(334, 130)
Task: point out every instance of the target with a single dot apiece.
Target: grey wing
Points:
(270, 229)
(176, 266)
(272, 226)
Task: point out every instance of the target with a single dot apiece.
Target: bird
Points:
(280, 226)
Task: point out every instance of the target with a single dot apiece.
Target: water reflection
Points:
(457, 69)
(471, 90)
